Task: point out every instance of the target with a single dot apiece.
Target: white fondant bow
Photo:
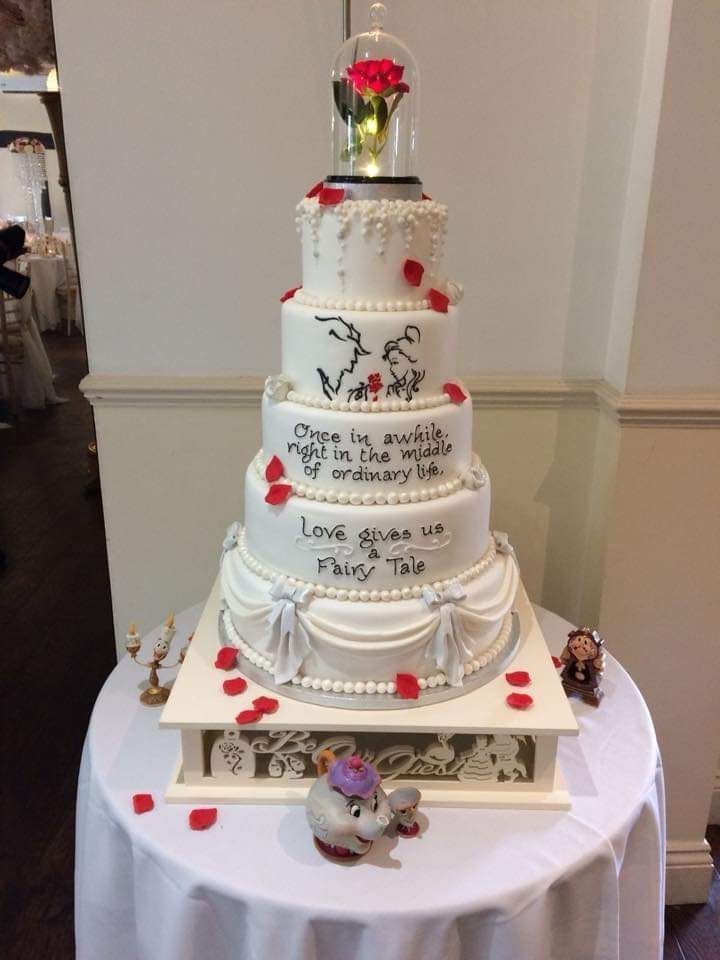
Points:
(231, 538)
(287, 639)
(450, 647)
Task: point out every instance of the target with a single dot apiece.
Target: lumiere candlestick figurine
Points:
(584, 660)
(155, 693)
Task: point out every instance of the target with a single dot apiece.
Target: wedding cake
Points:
(366, 553)
(365, 579)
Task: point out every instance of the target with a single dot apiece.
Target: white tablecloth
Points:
(477, 885)
(46, 275)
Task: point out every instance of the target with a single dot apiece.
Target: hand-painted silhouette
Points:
(347, 333)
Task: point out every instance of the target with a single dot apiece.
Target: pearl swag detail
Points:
(328, 685)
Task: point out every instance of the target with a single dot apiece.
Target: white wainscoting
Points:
(173, 453)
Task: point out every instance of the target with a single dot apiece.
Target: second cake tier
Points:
(367, 547)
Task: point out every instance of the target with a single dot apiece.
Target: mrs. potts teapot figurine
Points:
(347, 808)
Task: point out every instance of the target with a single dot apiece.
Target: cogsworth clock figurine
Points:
(584, 660)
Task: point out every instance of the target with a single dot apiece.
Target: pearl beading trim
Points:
(368, 686)
(319, 590)
(356, 499)
(377, 215)
(369, 406)
(308, 299)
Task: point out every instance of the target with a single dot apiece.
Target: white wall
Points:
(25, 111)
(528, 118)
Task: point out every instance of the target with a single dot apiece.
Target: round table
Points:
(490, 884)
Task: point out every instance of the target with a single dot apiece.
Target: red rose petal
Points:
(226, 658)
(234, 686)
(413, 272)
(266, 704)
(426, 197)
(407, 686)
(519, 701)
(519, 678)
(202, 818)
(438, 300)
(314, 191)
(455, 392)
(557, 662)
(329, 196)
(278, 493)
(274, 470)
(248, 716)
(143, 802)
(289, 294)
(403, 88)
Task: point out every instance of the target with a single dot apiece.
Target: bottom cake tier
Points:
(442, 634)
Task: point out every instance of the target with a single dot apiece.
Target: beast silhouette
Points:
(346, 333)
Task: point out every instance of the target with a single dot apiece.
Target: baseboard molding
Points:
(681, 410)
(714, 817)
(689, 872)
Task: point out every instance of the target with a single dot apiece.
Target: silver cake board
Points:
(470, 750)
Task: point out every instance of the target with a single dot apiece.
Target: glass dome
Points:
(375, 84)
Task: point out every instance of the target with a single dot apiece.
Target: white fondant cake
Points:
(366, 551)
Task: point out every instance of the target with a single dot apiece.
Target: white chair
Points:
(67, 292)
(12, 349)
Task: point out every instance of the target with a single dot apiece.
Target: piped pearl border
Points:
(368, 686)
(356, 499)
(386, 595)
(368, 406)
(309, 299)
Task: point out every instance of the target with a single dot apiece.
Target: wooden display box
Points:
(472, 750)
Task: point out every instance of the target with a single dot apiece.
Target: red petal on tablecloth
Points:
(226, 658)
(438, 300)
(248, 716)
(143, 802)
(557, 662)
(202, 818)
(266, 704)
(289, 294)
(234, 686)
(314, 191)
(407, 686)
(426, 197)
(413, 272)
(278, 493)
(455, 392)
(519, 701)
(329, 196)
(274, 470)
(518, 678)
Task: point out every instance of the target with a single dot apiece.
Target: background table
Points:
(46, 275)
(496, 885)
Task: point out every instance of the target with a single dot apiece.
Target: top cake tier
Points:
(354, 253)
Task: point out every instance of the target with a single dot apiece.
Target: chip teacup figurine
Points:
(155, 693)
(404, 803)
(584, 660)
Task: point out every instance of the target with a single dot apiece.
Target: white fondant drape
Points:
(419, 633)
(286, 639)
(451, 647)
(478, 884)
